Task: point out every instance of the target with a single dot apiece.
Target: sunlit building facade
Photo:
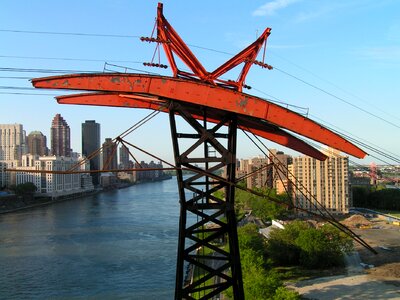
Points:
(12, 147)
(60, 137)
(50, 183)
(323, 183)
(37, 143)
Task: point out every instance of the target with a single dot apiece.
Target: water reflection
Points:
(116, 245)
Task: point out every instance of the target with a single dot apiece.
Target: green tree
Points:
(260, 284)
(283, 293)
(314, 249)
(261, 206)
(250, 239)
(378, 198)
(301, 244)
(258, 281)
(360, 196)
(385, 199)
(281, 247)
(27, 188)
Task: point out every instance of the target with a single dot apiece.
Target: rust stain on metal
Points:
(242, 102)
(115, 80)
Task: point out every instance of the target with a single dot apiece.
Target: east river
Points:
(115, 245)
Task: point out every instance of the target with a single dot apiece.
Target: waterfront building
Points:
(110, 155)
(325, 182)
(49, 183)
(108, 180)
(12, 147)
(150, 174)
(60, 137)
(37, 143)
(91, 144)
(127, 176)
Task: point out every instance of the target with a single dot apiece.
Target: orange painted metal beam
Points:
(198, 93)
(263, 130)
(173, 44)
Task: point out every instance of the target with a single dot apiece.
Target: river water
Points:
(115, 245)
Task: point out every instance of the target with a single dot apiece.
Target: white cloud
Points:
(271, 7)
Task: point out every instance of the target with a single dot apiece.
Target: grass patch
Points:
(394, 213)
(296, 273)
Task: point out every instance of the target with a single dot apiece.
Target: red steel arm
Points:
(265, 130)
(248, 56)
(172, 42)
(198, 93)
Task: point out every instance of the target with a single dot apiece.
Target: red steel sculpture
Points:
(203, 99)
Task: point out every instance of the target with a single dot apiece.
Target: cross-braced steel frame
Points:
(208, 250)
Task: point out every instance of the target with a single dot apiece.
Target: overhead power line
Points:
(69, 59)
(28, 94)
(337, 97)
(101, 35)
(335, 85)
(14, 77)
(26, 70)
(217, 51)
(70, 33)
(340, 131)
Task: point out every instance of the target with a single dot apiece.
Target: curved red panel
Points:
(197, 93)
(266, 131)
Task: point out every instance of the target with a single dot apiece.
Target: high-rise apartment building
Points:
(12, 147)
(279, 171)
(90, 144)
(123, 157)
(60, 137)
(12, 142)
(37, 143)
(110, 155)
(255, 171)
(325, 182)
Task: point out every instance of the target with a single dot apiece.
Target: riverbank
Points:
(13, 203)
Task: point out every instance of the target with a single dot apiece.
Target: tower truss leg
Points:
(208, 250)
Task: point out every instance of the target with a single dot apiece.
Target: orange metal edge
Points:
(129, 101)
(202, 94)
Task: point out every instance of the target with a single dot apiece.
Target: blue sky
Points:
(350, 49)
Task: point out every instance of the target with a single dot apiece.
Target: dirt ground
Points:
(386, 241)
(378, 277)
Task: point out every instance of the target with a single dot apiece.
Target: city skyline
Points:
(335, 47)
